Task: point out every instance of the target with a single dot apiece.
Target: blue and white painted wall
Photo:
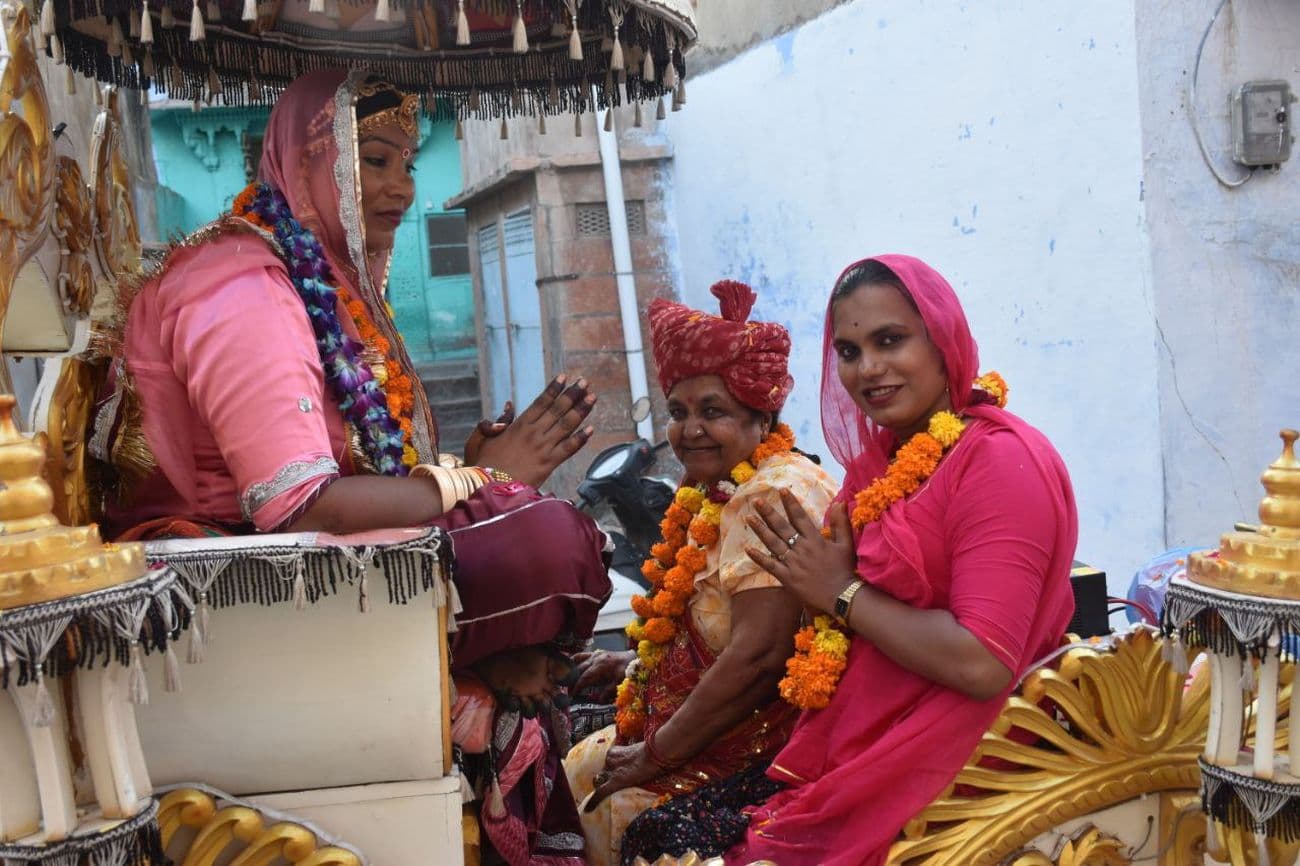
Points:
(1017, 147)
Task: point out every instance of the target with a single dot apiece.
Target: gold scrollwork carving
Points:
(26, 154)
(117, 237)
(1106, 724)
(1181, 837)
(1088, 847)
(74, 224)
(66, 424)
(238, 835)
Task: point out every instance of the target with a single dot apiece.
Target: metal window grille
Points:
(593, 218)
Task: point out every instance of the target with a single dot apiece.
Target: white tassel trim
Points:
(47, 18)
(648, 66)
(250, 10)
(520, 32)
(496, 803)
(616, 60)
(365, 591)
(505, 130)
(56, 49)
(146, 66)
(383, 12)
(577, 124)
(1247, 675)
(609, 120)
(670, 75)
(146, 27)
(168, 17)
(171, 670)
(639, 119)
(316, 7)
(1174, 653)
(541, 124)
(300, 589)
(43, 711)
(660, 113)
(71, 81)
(115, 39)
(135, 24)
(214, 11)
(460, 130)
(575, 41)
(197, 32)
(462, 24)
(137, 683)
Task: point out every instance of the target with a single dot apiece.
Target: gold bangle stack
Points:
(453, 484)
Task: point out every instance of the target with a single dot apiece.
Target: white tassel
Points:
(365, 591)
(316, 6)
(1173, 653)
(250, 11)
(43, 712)
(670, 75)
(521, 31)
(1261, 849)
(115, 39)
(47, 18)
(660, 114)
(505, 130)
(609, 120)
(214, 11)
(144, 97)
(146, 65)
(462, 24)
(553, 95)
(648, 66)
(72, 81)
(137, 684)
(460, 130)
(1247, 675)
(679, 95)
(299, 589)
(639, 120)
(575, 41)
(496, 800)
(146, 27)
(197, 31)
(196, 652)
(56, 49)
(168, 18)
(203, 616)
(475, 101)
(135, 24)
(171, 670)
(382, 11)
(616, 60)
(214, 84)
(128, 57)
(541, 124)
(577, 124)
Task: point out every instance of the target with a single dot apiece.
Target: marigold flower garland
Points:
(377, 415)
(821, 649)
(690, 526)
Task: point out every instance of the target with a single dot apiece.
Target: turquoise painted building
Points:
(205, 158)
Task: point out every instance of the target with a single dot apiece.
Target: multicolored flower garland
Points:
(821, 649)
(690, 527)
(361, 397)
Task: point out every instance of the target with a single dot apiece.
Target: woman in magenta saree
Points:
(949, 586)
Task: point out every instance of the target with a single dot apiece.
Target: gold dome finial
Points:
(41, 560)
(26, 501)
(1266, 561)
(1279, 511)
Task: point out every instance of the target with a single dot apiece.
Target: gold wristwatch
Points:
(844, 603)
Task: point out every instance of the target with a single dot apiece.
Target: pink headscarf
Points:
(309, 153)
(891, 740)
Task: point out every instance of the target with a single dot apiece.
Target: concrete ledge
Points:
(518, 167)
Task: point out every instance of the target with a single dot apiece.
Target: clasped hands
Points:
(549, 431)
(814, 567)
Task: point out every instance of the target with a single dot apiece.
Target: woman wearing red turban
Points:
(699, 702)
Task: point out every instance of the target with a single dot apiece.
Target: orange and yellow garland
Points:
(821, 649)
(390, 375)
(690, 527)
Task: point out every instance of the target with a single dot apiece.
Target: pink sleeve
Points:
(1001, 531)
(245, 350)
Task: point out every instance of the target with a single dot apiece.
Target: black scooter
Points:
(617, 483)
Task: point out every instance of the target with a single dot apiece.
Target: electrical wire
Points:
(1191, 108)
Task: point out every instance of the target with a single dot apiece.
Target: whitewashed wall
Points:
(1000, 142)
(1226, 263)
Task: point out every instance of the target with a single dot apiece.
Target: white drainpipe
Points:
(612, 169)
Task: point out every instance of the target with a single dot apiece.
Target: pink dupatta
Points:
(891, 740)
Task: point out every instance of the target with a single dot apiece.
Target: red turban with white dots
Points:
(751, 357)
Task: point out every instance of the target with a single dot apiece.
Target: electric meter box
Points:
(1261, 123)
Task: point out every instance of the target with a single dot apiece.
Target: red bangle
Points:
(655, 756)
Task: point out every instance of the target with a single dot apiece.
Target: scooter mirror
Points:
(641, 409)
(609, 462)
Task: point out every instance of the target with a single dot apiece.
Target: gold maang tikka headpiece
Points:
(403, 114)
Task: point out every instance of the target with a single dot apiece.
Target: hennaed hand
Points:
(814, 568)
(548, 432)
(625, 767)
(485, 430)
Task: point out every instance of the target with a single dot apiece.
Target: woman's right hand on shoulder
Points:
(546, 434)
(599, 673)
